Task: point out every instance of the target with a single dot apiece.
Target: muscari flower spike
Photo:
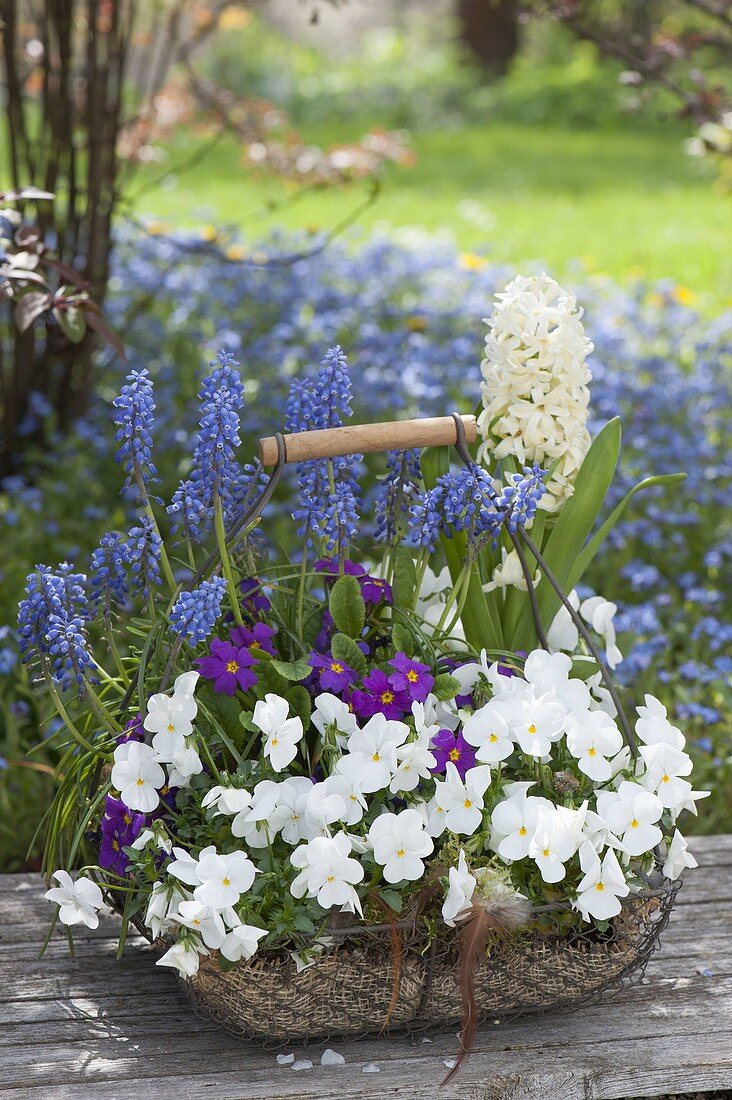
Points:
(143, 548)
(215, 469)
(134, 419)
(49, 593)
(109, 562)
(188, 512)
(195, 613)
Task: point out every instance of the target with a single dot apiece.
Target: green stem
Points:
(452, 598)
(115, 656)
(225, 561)
(58, 703)
(164, 559)
(301, 590)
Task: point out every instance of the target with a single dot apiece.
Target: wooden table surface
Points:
(98, 1029)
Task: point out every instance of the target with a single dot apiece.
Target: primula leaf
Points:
(479, 618)
(445, 687)
(402, 640)
(293, 670)
(347, 606)
(589, 551)
(345, 649)
(300, 704)
(573, 525)
(405, 578)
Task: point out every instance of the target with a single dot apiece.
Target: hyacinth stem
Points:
(589, 642)
(530, 589)
(453, 596)
(164, 559)
(301, 590)
(225, 560)
(58, 703)
(116, 656)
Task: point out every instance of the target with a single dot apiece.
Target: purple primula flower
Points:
(448, 747)
(229, 666)
(326, 632)
(380, 696)
(256, 637)
(254, 599)
(133, 731)
(412, 677)
(330, 565)
(374, 590)
(332, 675)
(120, 827)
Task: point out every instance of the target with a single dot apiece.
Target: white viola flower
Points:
(288, 814)
(425, 717)
(678, 856)
(227, 800)
(440, 713)
(552, 844)
(222, 878)
(185, 684)
(183, 765)
(184, 956)
(665, 766)
(513, 823)
(323, 806)
(470, 674)
(654, 728)
(162, 907)
(599, 614)
(377, 744)
(137, 776)
(330, 712)
(689, 803)
(434, 585)
(463, 798)
(170, 717)
(327, 873)
(153, 836)
(283, 734)
(204, 920)
(535, 389)
(536, 723)
(593, 738)
(562, 633)
(601, 699)
(599, 833)
(631, 812)
(242, 942)
(415, 761)
(400, 843)
(458, 902)
(346, 781)
(434, 813)
(487, 730)
(599, 892)
(78, 901)
(183, 867)
(260, 823)
(509, 573)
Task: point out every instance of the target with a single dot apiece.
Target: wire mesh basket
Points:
(368, 981)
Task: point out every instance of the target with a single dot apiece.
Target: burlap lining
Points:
(348, 991)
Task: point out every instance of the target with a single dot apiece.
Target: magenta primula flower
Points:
(448, 747)
(411, 676)
(333, 675)
(255, 637)
(229, 666)
(380, 696)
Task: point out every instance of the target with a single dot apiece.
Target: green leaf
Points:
(480, 620)
(293, 670)
(345, 649)
(347, 606)
(446, 687)
(300, 703)
(404, 583)
(71, 322)
(393, 899)
(589, 551)
(583, 668)
(270, 680)
(572, 526)
(402, 639)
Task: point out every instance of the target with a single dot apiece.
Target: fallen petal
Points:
(285, 1059)
(370, 1067)
(304, 1063)
(332, 1058)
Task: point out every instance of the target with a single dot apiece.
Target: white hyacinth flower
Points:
(535, 389)
(78, 901)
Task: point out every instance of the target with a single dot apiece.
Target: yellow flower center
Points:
(232, 666)
(274, 742)
(592, 751)
(412, 676)
(532, 729)
(335, 667)
(666, 778)
(522, 831)
(454, 754)
(226, 881)
(493, 739)
(600, 886)
(331, 878)
(171, 727)
(634, 824)
(376, 757)
(401, 853)
(387, 697)
(254, 645)
(115, 845)
(127, 819)
(467, 803)
(545, 853)
(140, 782)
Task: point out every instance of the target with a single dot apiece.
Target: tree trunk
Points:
(491, 29)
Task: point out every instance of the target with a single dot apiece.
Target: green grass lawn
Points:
(626, 202)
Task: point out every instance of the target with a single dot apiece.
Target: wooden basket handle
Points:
(392, 435)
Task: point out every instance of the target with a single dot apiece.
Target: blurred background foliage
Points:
(284, 176)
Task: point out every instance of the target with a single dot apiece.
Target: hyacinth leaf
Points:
(404, 583)
(589, 551)
(347, 607)
(480, 621)
(516, 600)
(345, 649)
(573, 524)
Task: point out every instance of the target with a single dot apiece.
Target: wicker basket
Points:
(358, 987)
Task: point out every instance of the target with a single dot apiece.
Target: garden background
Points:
(248, 210)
